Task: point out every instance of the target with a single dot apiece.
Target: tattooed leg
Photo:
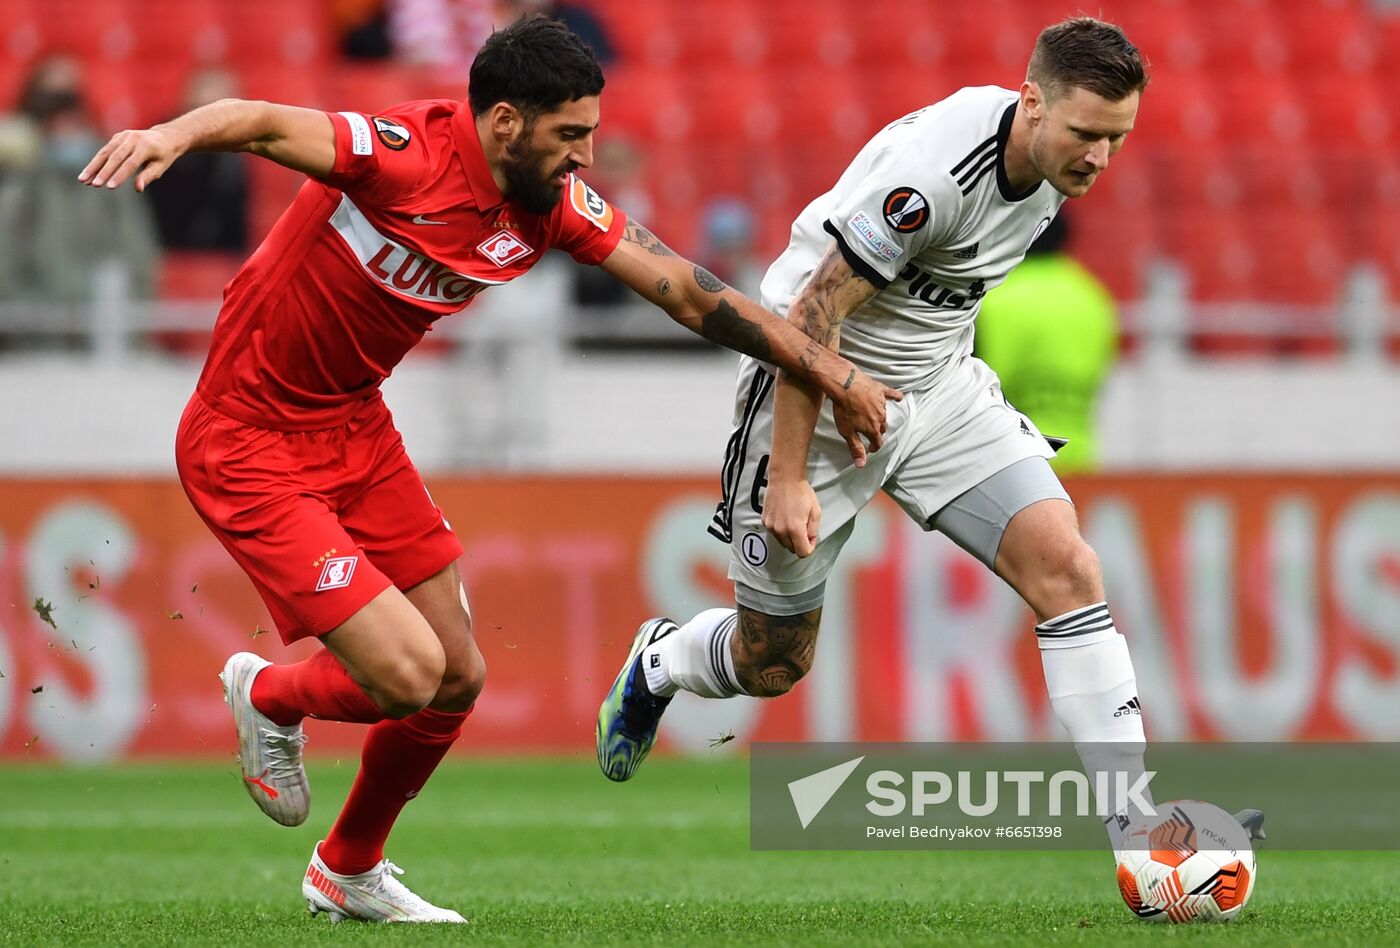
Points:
(772, 653)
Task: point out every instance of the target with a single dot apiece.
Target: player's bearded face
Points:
(534, 174)
(1078, 133)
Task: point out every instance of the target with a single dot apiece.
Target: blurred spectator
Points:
(1051, 333)
(578, 18)
(201, 202)
(618, 175)
(447, 33)
(54, 232)
(54, 84)
(363, 28)
(729, 230)
(442, 33)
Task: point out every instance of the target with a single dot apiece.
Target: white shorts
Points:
(940, 443)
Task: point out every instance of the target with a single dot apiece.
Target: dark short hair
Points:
(536, 64)
(1090, 54)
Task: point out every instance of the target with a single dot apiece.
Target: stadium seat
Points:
(1299, 254)
(1260, 113)
(193, 277)
(294, 32)
(1180, 109)
(370, 87)
(735, 104)
(645, 33)
(281, 82)
(1115, 246)
(720, 33)
(1212, 245)
(899, 35)
(647, 102)
(1166, 31)
(1347, 112)
(94, 31)
(832, 111)
(812, 33)
(180, 31)
(1329, 38)
(1241, 37)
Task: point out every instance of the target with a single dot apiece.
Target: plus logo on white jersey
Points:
(337, 573)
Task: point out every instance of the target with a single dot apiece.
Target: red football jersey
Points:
(408, 227)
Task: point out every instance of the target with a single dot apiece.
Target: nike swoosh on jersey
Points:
(420, 219)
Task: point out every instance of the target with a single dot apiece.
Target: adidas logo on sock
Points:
(1132, 707)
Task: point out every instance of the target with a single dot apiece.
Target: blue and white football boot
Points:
(630, 713)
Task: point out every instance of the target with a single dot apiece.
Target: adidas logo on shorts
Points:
(1132, 707)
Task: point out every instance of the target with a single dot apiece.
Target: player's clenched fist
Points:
(861, 414)
(793, 515)
(145, 153)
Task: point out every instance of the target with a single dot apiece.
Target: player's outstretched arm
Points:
(790, 509)
(702, 303)
(301, 139)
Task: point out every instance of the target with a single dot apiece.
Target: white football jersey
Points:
(924, 212)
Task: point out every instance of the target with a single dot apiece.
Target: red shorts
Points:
(321, 521)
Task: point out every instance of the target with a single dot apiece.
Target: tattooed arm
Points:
(702, 303)
(790, 509)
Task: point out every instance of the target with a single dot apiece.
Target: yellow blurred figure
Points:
(1051, 334)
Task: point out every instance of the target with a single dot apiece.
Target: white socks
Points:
(1089, 675)
(695, 658)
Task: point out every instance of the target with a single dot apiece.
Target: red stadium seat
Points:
(1260, 111)
(1241, 37)
(812, 33)
(1300, 255)
(1165, 30)
(1180, 109)
(181, 30)
(1212, 245)
(647, 102)
(1350, 112)
(718, 33)
(293, 85)
(899, 35)
(1328, 38)
(645, 33)
(370, 87)
(294, 32)
(895, 92)
(741, 105)
(1116, 245)
(827, 110)
(105, 30)
(193, 276)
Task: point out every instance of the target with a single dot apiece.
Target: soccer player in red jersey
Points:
(287, 450)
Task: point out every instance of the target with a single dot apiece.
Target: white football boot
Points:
(372, 896)
(269, 753)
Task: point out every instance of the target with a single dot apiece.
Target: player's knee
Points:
(410, 683)
(767, 671)
(773, 653)
(1071, 578)
(461, 684)
(776, 679)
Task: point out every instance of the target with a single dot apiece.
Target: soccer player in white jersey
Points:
(890, 266)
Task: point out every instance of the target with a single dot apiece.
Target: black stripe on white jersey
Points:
(736, 453)
(979, 168)
(982, 171)
(973, 155)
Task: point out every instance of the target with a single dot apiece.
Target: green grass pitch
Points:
(540, 852)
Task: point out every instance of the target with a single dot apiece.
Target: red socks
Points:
(398, 758)
(319, 687)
